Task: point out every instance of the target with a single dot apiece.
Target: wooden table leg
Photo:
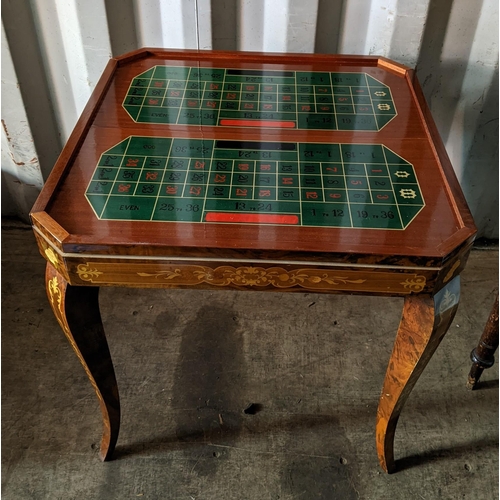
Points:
(423, 325)
(483, 356)
(77, 311)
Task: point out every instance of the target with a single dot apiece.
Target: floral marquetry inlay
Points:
(275, 276)
(55, 294)
(158, 275)
(56, 290)
(52, 257)
(254, 276)
(415, 284)
(86, 273)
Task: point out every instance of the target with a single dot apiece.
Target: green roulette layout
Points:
(184, 95)
(245, 182)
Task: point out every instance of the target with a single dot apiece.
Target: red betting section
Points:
(251, 218)
(256, 123)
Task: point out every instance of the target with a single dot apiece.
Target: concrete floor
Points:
(189, 362)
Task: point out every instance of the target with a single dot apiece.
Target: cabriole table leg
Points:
(77, 311)
(423, 325)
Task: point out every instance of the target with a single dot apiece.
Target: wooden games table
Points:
(289, 173)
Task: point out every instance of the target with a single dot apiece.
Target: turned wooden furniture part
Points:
(483, 355)
(289, 173)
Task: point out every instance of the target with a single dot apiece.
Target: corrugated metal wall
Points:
(53, 52)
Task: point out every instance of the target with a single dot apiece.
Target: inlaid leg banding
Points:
(77, 311)
(423, 325)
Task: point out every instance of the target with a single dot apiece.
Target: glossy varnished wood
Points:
(77, 311)
(423, 325)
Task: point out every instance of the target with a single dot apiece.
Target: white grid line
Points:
(392, 187)
(345, 185)
(162, 178)
(183, 93)
(114, 182)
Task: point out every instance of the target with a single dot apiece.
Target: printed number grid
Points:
(183, 180)
(303, 100)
